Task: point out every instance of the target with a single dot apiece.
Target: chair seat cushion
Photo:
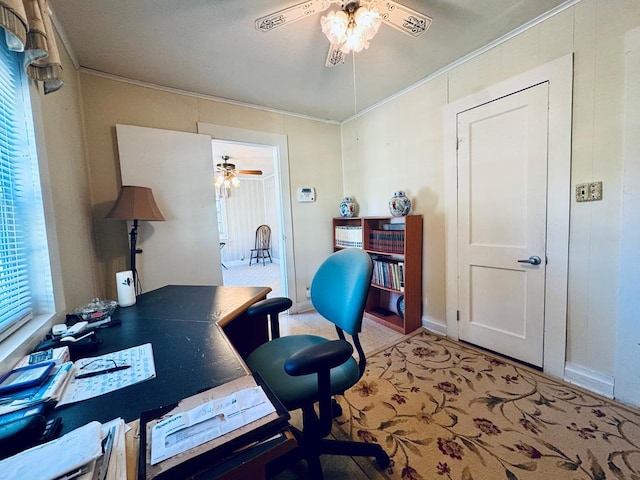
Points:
(268, 360)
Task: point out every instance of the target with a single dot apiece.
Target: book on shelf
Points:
(388, 273)
(348, 236)
(393, 226)
(391, 241)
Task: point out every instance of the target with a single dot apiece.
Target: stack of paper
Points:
(210, 420)
(50, 390)
(93, 451)
(140, 367)
(113, 464)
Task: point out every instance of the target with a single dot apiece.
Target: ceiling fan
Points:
(226, 176)
(341, 27)
(227, 168)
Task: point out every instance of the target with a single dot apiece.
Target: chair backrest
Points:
(340, 287)
(263, 236)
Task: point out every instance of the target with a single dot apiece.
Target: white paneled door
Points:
(502, 208)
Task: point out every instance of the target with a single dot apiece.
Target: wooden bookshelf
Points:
(395, 246)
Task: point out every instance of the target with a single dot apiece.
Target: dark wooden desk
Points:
(199, 335)
(191, 352)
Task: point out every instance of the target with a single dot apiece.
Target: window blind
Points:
(16, 193)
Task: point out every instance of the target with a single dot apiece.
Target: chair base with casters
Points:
(302, 356)
(305, 370)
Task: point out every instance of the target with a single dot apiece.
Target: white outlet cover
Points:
(595, 191)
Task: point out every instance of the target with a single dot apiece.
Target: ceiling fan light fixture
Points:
(226, 176)
(368, 21)
(351, 29)
(334, 26)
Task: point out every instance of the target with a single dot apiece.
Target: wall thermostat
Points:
(306, 194)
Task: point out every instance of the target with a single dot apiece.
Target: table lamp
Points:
(135, 203)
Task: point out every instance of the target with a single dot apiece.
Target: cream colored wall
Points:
(314, 157)
(61, 116)
(399, 146)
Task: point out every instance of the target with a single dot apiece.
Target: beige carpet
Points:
(445, 411)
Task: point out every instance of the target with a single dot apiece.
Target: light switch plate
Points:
(588, 192)
(582, 192)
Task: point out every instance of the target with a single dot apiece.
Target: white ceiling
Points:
(212, 47)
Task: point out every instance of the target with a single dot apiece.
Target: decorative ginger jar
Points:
(348, 207)
(399, 205)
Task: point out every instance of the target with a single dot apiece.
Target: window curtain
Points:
(28, 28)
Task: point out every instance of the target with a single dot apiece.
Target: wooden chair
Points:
(262, 245)
(222, 244)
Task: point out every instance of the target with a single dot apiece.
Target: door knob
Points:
(533, 260)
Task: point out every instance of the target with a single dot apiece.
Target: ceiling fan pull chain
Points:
(355, 97)
(355, 90)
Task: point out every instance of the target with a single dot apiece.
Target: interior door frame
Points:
(627, 383)
(283, 190)
(559, 75)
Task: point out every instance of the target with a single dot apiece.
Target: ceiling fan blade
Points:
(292, 14)
(335, 56)
(249, 172)
(404, 18)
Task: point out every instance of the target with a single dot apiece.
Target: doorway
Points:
(279, 145)
(241, 209)
(557, 75)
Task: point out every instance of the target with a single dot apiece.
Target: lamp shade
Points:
(135, 203)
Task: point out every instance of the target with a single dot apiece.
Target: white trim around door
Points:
(559, 75)
(283, 192)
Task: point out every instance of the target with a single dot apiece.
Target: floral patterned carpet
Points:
(446, 411)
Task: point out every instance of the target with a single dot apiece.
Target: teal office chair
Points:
(305, 369)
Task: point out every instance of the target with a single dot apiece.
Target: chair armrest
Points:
(316, 358)
(270, 306)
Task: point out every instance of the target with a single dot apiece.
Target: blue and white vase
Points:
(348, 207)
(399, 205)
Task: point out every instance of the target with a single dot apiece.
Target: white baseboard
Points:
(434, 325)
(589, 379)
(301, 307)
(245, 262)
